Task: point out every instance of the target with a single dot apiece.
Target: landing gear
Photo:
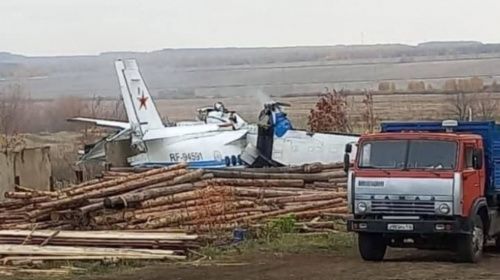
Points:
(470, 247)
(372, 247)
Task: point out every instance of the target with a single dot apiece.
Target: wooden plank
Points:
(10, 260)
(30, 250)
(129, 235)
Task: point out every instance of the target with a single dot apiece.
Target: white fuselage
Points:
(298, 147)
(211, 149)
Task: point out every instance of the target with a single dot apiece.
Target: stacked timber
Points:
(177, 197)
(50, 245)
(167, 240)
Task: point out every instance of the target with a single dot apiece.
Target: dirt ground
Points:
(399, 264)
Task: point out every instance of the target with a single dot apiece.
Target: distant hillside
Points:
(241, 71)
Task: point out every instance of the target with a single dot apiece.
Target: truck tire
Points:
(470, 247)
(371, 247)
(497, 244)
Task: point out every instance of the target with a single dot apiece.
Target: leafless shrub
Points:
(118, 111)
(13, 113)
(495, 87)
(57, 111)
(460, 106)
(485, 107)
(60, 109)
(387, 86)
(472, 106)
(98, 107)
(473, 84)
(416, 86)
(368, 115)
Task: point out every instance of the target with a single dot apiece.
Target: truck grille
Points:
(402, 207)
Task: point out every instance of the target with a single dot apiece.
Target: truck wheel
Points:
(371, 246)
(470, 247)
(497, 243)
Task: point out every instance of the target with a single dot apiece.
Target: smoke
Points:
(262, 97)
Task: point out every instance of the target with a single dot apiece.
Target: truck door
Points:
(471, 178)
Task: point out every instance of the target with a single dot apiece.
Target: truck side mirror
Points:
(348, 148)
(347, 157)
(347, 162)
(477, 159)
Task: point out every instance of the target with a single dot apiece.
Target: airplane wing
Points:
(100, 122)
(175, 131)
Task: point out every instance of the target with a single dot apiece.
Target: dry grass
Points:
(386, 107)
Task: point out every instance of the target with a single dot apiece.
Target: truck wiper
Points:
(431, 170)
(373, 167)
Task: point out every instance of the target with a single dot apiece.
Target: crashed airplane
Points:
(277, 143)
(202, 145)
(219, 138)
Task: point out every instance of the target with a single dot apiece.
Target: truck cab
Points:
(427, 185)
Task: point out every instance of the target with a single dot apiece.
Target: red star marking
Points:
(142, 101)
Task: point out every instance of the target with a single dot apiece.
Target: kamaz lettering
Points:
(371, 183)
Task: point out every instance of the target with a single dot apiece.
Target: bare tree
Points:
(368, 114)
(95, 106)
(63, 108)
(98, 107)
(461, 106)
(12, 109)
(118, 112)
(485, 107)
(13, 113)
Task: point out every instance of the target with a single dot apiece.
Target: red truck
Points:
(426, 185)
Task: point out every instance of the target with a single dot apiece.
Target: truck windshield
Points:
(408, 154)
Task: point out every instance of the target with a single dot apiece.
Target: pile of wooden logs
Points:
(177, 197)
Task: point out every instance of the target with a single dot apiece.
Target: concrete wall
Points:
(33, 168)
(29, 167)
(6, 174)
(117, 153)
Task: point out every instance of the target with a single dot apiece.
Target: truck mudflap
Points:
(455, 226)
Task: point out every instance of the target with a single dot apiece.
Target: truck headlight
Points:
(361, 207)
(444, 209)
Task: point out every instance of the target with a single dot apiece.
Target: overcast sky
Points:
(59, 27)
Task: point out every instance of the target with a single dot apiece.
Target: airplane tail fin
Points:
(139, 105)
